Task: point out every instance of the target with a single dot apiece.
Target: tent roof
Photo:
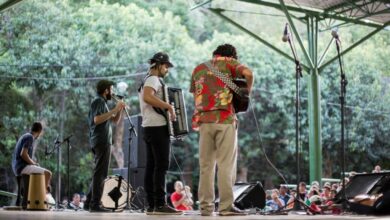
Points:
(4, 4)
(367, 10)
(374, 13)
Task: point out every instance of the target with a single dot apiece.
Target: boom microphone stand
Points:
(298, 75)
(343, 91)
(56, 147)
(132, 132)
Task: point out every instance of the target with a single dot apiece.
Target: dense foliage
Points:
(53, 52)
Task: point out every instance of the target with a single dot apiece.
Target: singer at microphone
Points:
(100, 119)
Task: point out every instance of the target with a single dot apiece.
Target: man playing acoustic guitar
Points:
(216, 120)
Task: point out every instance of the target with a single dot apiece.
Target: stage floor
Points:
(126, 215)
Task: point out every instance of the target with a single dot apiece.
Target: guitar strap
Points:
(224, 79)
(157, 110)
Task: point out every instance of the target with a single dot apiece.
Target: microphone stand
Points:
(68, 165)
(343, 91)
(298, 75)
(56, 147)
(132, 132)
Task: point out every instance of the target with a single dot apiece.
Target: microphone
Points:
(67, 139)
(286, 36)
(56, 140)
(46, 151)
(335, 35)
(118, 96)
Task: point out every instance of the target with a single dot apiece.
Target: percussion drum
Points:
(114, 193)
(37, 192)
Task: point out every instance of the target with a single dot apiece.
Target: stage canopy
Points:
(315, 16)
(4, 4)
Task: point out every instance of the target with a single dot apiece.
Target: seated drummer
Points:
(22, 162)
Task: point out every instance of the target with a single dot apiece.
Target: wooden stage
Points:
(126, 215)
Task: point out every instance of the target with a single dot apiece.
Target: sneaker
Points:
(166, 210)
(86, 206)
(98, 209)
(149, 211)
(232, 212)
(206, 213)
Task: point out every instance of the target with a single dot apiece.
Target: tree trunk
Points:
(242, 175)
(327, 165)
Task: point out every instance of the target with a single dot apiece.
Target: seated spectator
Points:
(377, 169)
(283, 190)
(315, 183)
(302, 195)
(302, 191)
(64, 202)
(335, 186)
(346, 180)
(326, 193)
(181, 199)
(274, 202)
(76, 203)
(83, 197)
(314, 191)
(188, 202)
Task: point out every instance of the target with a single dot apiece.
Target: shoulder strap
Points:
(157, 110)
(224, 78)
(160, 110)
(143, 82)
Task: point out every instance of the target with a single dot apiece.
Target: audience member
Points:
(274, 202)
(283, 190)
(181, 198)
(377, 169)
(76, 203)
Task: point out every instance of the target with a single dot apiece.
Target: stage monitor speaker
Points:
(248, 195)
(373, 183)
(137, 148)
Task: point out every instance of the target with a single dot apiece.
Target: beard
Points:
(163, 74)
(109, 96)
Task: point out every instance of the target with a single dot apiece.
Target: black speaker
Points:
(137, 148)
(248, 195)
(372, 183)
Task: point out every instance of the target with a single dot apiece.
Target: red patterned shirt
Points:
(213, 99)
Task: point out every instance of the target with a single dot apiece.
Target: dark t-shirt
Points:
(101, 134)
(18, 164)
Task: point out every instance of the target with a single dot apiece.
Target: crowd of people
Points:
(314, 197)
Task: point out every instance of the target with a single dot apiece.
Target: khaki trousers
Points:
(217, 147)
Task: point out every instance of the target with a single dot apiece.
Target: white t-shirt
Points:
(150, 118)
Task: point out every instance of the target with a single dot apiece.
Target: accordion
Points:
(179, 128)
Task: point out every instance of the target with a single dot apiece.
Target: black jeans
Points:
(157, 163)
(100, 172)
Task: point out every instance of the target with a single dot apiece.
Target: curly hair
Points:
(226, 50)
(102, 85)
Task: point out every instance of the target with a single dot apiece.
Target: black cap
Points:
(103, 85)
(160, 57)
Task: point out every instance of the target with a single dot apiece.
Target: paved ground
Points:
(126, 215)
